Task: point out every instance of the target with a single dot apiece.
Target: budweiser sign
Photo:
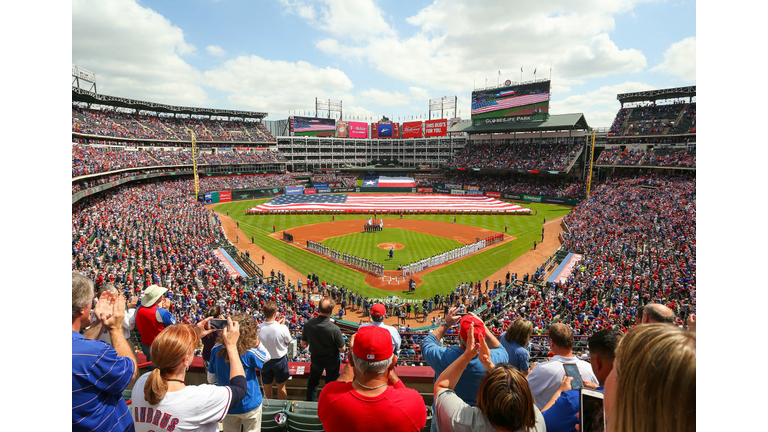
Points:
(412, 129)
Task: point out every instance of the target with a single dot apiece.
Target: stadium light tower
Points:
(443, 104)
(328, 106)
(79, 73)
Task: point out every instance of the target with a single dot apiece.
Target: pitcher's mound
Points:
(389, 246)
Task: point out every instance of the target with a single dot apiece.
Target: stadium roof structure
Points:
(81, 95)
(654, 95)
(574, 121)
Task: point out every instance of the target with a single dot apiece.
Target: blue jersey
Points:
(253, 359)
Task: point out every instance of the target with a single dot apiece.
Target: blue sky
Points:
(382, 57)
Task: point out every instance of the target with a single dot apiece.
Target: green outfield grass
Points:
(475, 268)
(417, 246)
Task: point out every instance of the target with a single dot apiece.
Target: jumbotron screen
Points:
(511, 101)
(311, 126)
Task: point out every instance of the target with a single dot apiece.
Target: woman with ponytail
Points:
(161, 398)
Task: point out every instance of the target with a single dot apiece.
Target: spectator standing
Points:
(100, 372)
(545, 378)
(504, 400)
(325, 344)
(369, 396)
(152, 317)
(378, 313)
(163, 397)
(209, 340)
(98, 331)
(253, 355)
(668, 400)
(276, 338)
(560, 412)
(657, 313)
(515, 340)
(439, 358)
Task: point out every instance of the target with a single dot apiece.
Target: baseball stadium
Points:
(518, 215)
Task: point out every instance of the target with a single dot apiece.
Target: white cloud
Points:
(254, 83)
(135, 52)
(384, 98)
(215, 50)
(599, 106)
(458, 43)
(419, 94)
(680, 60)
(349, 20)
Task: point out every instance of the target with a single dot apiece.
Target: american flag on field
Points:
(495, 105)
(386, 202)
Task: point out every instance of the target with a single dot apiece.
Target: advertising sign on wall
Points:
(294, 190)
(434, 128)
(358, 130)
(413, 129)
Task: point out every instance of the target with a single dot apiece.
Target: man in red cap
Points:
(378, 313)
(439, 358)
(368, 395)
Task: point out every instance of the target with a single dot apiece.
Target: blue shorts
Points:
(275, 370)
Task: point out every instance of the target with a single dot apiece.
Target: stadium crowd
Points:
(93, 160)
(109, 122)
(660, 156)
(527, 154)
(637, 235)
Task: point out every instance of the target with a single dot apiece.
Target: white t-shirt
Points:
(546, 377)
(195, 408)
(275, 337)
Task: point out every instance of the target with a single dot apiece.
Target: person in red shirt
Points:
(368, 395)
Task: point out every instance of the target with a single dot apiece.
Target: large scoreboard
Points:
(530, 99)
(311, 126)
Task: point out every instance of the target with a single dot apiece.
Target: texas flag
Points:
(396, 182)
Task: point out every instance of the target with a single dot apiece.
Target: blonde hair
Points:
(656, 389)
(168, 352)
(520, 331)
(505, 399)
(248, 335)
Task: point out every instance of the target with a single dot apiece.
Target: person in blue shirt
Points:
(515, 340)
(560, 412)
(100, 372)
(253, 355)
(439, 358)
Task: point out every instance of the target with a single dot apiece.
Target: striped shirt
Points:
(99, 377)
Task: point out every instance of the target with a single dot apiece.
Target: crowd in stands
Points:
(660, 156)
(652, 119)
(93, 160)
(346, 181)
(527, 154)
(636, 234)
(553, 187)
(109, 122)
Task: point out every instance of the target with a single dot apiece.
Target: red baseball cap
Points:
(372, 343)
(378, 310)
(479, 329)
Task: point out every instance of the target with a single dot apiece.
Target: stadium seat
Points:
(304, 407)
(300, 422)
(269, 408)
